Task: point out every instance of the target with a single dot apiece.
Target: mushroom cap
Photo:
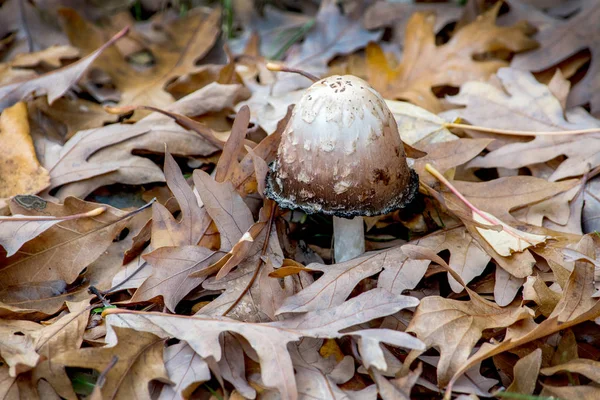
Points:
(341, 154)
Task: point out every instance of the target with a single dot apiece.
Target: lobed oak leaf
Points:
(454, 327)
(426, 65)
(528, 106)
(186, 371)
(332, 34)
(66, 334)
(103, 156)
(575, 306)
(56, 83)
(338, 280)
(65, 248)
(269, 340)
(562, 40)
(139, 360)
(185, 41)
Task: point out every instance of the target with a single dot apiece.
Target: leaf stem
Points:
(282, 68)
(92, 213)
(519, 133)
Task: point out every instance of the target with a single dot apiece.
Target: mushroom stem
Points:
(348, 238)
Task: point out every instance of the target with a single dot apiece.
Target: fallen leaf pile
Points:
(140, 257)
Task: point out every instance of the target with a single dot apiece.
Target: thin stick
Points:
(519, 133)
(91, 213)
(102, 378)
(260, 262)
(283, 68)
(431, 169)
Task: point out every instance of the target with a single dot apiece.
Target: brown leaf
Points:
(576, 306)
(140, 360)
(17, 348)
(64, 249)
(332, 34)
(564, 39)
(447, 155)
(526, 372)
(454, 327)
(398, 388)
(185, 369)
(226, 208)
(54, 83)
(270, 340)
(588, 392)
(171, 267)
(20, 171)
(426, 65)
(582, 366)
(186, 40)
(528, 106)
(338, 280)
(66, 334)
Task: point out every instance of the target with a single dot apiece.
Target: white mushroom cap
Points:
(341, 153)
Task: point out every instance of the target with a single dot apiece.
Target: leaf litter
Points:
(140, 257)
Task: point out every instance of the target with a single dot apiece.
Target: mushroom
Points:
(341, 155)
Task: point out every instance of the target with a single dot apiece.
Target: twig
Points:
(92, 213)
(98, 294)
(260, 261)
(519, 133)
(118, 285)
(102, 378)
(283, 68)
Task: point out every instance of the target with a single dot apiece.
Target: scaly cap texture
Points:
(341, 153)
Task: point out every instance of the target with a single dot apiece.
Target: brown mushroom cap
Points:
(341, 153)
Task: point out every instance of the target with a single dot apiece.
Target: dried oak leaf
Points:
(21, 67)
(65, 334)
(184, 42)
(575, 306)
(526, 372)
(55, 83)
(332, 34)
(175, 254)
(564, 39)
(270, 340)
(426, 65)
(338, 280)
(61, 252)
(186, 370)
(20, 171)
(499, 197)
(139, 360)
(103, 156)
(528, 106)
(454, 327)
